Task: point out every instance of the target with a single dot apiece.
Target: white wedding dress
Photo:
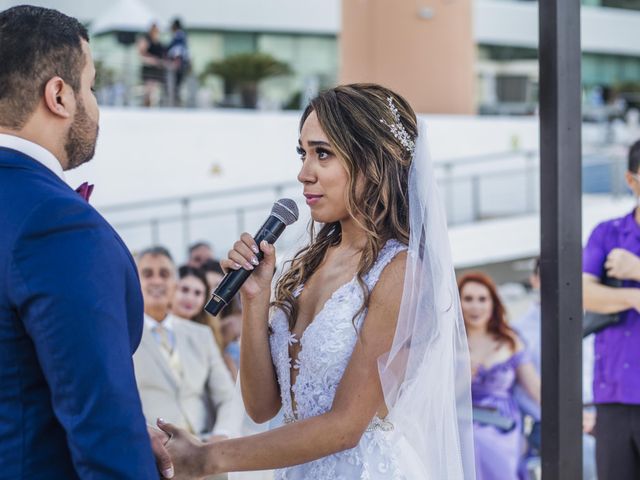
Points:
(425, 376)
(326, 347)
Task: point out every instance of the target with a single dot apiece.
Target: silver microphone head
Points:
(286, 210)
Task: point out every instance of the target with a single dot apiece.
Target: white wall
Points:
(154, 154)
(149, 154)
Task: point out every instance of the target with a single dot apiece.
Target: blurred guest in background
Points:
(529, 328)
(191, 295)
(152, 55)
(612, 255)
(188, 302)
(180, 61)
(498, 361)
(214, 273)
(209, 276)
(199, 253)
(179, 370)
(230, 320)
(528, 325)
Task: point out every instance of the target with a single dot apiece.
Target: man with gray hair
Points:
(179, 369)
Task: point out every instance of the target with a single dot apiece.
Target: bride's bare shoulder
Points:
(388, 289)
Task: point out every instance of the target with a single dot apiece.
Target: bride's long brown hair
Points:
(356, 120)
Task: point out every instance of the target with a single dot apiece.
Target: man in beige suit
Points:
(180, 373)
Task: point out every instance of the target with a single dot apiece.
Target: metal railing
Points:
(473, 189)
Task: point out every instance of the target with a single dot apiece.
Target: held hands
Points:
(245, 255)
(186, 452)
(163, 460)
(622, 264)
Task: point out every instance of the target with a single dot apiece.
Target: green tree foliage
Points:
(243, 72)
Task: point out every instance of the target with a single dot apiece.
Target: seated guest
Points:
(230, 320)
(214, 273)
(199, 253)
(529, 328)
(191, 295)
(179, 370)
(188, 302)
(498, 362)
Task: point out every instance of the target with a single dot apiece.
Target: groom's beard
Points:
(80, 145)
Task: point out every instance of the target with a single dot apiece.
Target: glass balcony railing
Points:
(474, 189)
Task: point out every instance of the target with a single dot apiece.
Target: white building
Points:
(305, 34)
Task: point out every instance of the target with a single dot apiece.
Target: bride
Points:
(363, 348)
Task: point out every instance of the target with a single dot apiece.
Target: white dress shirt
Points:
(33, 150)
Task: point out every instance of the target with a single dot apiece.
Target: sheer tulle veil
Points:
(426, 375)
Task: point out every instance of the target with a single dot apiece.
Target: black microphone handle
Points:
(232, 281)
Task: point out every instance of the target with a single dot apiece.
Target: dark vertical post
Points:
(560, 188)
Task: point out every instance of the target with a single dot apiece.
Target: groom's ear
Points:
(59, 98)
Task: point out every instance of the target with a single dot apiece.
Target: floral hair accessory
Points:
(398, 130)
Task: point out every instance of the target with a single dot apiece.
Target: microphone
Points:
(284, 212)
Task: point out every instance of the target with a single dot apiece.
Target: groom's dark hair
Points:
(36, 44)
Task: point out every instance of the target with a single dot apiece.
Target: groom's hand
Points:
(158, 441)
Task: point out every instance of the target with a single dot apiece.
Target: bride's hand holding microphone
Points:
(259, 260)
(251, 263)
(249, 268)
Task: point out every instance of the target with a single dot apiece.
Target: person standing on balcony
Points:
(180, 60)
(152, 56)
(613, 252)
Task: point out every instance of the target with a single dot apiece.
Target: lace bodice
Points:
(326, 347)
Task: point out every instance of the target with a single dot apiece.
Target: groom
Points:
(70, 302)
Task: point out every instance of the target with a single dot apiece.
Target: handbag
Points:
(491, 416)
(593, 322)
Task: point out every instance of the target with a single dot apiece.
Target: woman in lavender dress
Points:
(498, 362)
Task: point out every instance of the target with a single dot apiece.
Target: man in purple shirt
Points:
(613, 250)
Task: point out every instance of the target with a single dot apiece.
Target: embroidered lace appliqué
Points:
(326, 347)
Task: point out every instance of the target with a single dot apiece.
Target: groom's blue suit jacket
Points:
(71, 315)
